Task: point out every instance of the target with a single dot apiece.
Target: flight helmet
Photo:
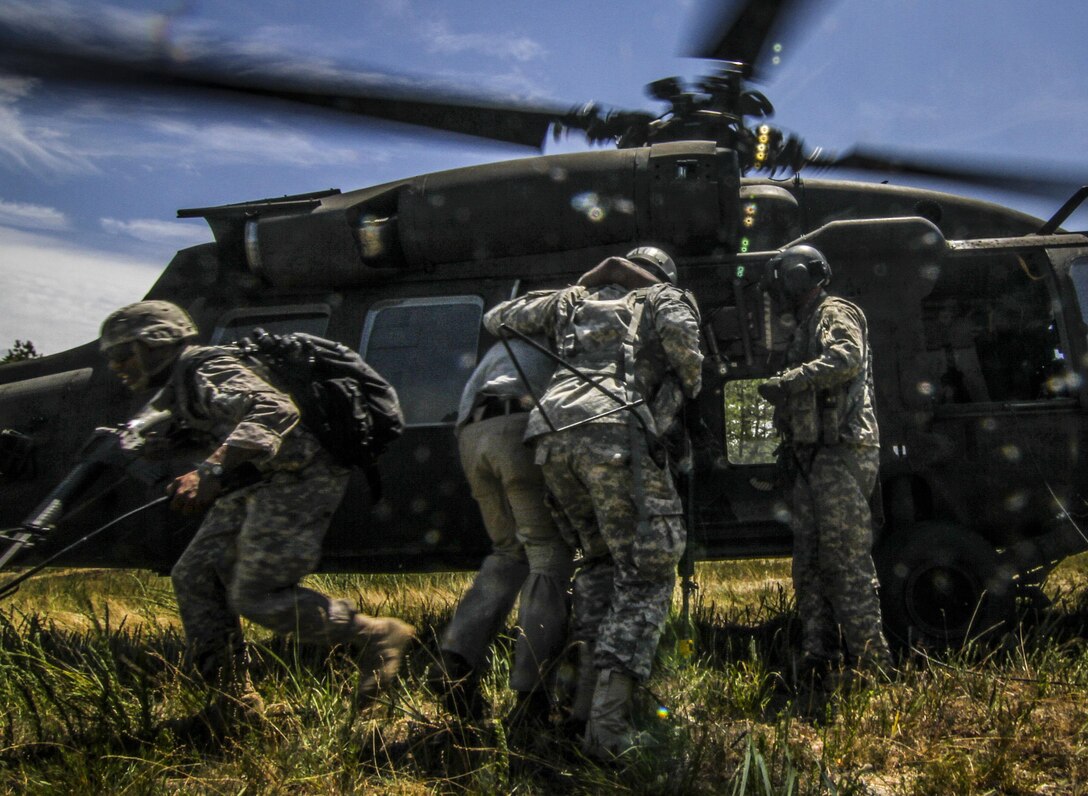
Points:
(794, 272)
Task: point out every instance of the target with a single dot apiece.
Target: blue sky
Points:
(90, 182)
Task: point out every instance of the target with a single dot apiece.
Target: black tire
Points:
(941, 586)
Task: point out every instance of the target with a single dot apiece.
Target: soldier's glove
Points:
(193, 492)
(773, 390)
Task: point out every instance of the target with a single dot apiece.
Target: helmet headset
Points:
(795, 272)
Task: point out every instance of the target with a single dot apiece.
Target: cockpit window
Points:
(426, 348)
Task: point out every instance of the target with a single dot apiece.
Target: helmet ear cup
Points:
(794, 272)
(797, 280)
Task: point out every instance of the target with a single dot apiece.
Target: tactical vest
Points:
(842, 413)
(603, 333)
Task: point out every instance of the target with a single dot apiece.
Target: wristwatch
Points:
(210, 470)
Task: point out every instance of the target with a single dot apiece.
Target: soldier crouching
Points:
(630, 338)
(256, 541)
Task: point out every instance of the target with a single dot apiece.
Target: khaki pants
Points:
(528, 556)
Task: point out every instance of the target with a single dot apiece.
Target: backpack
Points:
(345, 403)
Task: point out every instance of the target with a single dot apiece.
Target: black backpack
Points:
(344, 402)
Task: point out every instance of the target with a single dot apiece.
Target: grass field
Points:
(89, 666)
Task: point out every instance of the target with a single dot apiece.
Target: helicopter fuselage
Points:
(978, 333)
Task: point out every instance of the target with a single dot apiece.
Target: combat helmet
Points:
(660, 264)
(153, 323)
(794, 272)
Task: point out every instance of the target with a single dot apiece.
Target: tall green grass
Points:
(90, 665)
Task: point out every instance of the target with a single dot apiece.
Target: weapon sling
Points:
(622, 404)
(103, 448)
(9, 588)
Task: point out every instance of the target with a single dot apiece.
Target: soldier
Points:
(824, 414)
(633, 336)
(528, 557)
(257, 541)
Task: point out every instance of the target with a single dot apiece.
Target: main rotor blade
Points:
(134, 66)
(1041, 179)
(741, 32)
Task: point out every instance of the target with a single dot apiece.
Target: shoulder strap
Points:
(627, 364)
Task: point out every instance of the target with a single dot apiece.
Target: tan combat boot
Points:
(230, 709)
(378, 644)
(610, 731)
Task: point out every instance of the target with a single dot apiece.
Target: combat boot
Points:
(457, 685)
(228, 711)
(378, 645)
(530, 718)
(610, 731)
(575, 724)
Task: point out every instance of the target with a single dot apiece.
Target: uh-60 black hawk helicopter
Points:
(978, 318)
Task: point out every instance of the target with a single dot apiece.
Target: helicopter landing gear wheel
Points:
(941, 586)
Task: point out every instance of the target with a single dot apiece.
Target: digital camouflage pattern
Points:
(829, 384)
(587, 327)
(833, 573)
(829, 353)
(214, 395)
(614, 501)
(624, 587)
(257, 542)
(247, 558)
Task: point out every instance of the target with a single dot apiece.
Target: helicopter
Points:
(975, 312)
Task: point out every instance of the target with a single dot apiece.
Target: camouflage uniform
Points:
(256, 542)
(833, 444)
(613, 499)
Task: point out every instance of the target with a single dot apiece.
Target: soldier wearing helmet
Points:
(142, 340)
(633, 337)
(831, 444)
(258, 540)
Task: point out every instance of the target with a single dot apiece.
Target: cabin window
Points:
(750, 437)
(426, 348)
(236, 324)
(1078, 272)
(992, 333)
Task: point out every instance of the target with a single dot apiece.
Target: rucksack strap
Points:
(641, 430)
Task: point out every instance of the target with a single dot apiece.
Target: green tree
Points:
(749, 424)
(23, 349)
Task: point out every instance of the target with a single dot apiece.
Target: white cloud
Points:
(56, 295)
(30, 144)
(28, 216)
(152, 230)
(248, 144)
(440, 39)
